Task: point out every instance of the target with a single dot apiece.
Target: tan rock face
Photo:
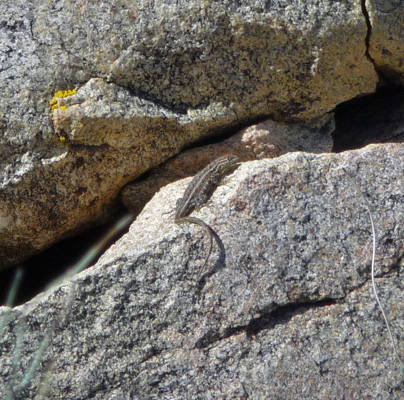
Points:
(386, 42)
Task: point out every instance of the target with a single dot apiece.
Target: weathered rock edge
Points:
(287, 311)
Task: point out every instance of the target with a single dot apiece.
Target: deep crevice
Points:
(220, 134)
(375, 118)
(369, 31)
(39, 270)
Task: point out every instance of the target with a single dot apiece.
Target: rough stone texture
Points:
(152, 77)
(265, 140)
(286, 311)
(250, 51)
(386, 42)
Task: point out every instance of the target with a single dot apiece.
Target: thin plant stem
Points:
(367, 205)
(14, 288)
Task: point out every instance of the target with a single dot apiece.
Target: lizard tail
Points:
(210, 235)
(208, 231)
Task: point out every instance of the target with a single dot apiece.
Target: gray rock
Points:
(285, 312)
(151, 78)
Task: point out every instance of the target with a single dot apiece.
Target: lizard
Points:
(197, 193)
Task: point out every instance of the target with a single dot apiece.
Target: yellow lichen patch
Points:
(60, 95)
(64, 93)
(65, 140)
